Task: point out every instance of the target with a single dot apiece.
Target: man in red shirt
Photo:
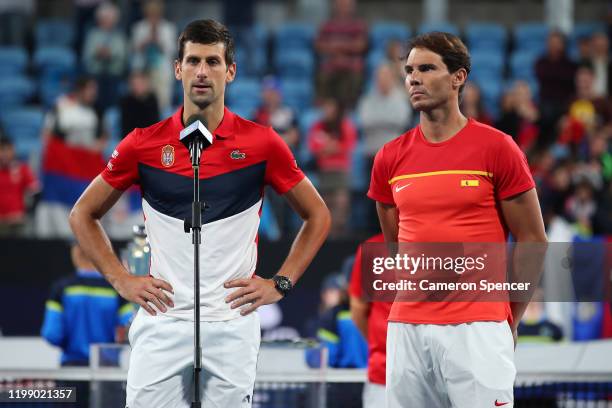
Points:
(451, 179)
(371, 319)
(16, 181)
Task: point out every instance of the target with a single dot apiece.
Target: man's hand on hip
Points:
(145, 290)
(256, 291)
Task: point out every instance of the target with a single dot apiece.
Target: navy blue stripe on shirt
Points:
(225, 195)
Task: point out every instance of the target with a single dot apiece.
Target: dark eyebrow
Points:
(409, 68)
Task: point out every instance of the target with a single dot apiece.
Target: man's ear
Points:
(459, 78)
(177, 70)
(231, 73)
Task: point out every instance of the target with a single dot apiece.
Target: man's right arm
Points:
(85, 217)
(389, 221)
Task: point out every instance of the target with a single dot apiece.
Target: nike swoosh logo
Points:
(500, 404)
(398, 188)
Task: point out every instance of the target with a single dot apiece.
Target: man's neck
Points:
(213, 114)
(442, 124)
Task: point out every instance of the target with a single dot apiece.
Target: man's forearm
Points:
(306, 245)
(97, 246)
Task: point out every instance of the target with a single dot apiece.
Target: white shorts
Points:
(373, 395)
(464, 365)
(161, 363)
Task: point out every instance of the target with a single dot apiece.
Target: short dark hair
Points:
(207, 32)
(453, 51)
(5, 141)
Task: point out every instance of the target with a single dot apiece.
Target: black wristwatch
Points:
(282, 284)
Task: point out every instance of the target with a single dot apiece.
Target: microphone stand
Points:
(195, 225)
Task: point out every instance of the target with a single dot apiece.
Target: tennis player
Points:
(451, 179)
(243, 158)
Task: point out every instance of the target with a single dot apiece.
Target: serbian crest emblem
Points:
(167, 156)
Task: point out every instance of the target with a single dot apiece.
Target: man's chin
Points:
(200, 102)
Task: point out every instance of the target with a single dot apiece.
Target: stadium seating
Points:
(55, 58)
(15, 90)
(292, 35)
(13, 60)
(486, 36)
(297, 94)
(488, 62)
(530, 37)
(439, 26)
(54, 32)
(382, 32)
(295, 64)
(522, 65)
(24, 126)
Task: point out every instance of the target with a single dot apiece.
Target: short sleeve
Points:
(511, 172)
(282, 171)
(380, 190)
(122, 168)
(355, 283)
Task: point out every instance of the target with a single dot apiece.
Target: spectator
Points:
(472, 104)
(370, 317)
(154, 47)
(384, 112)
(581, 207)
(341, 45)
(600, 58)
(74, 119)
(105, 53)
(74, 139)
(82, 310)
(555, 73)
(332, 140)
(587, 110)
(18, 184)
(273, 113)
(519, 115)
(84, 17)
(139, 108)
(584, 49)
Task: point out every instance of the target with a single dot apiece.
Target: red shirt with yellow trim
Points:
(450, 192)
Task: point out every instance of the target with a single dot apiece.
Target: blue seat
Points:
(297, 94)
(54, 58)
(13, 60)
(522, 65)
(373, 60)
(250, 62)
(54, 32)
(439, 26)
(52, 85)
(531, 37)
(382, 32)
(240, 90)
(491, 91)
(24, 127)
(486, 36)
(297, 64)
(15, 90)
(307, 118)
(244, 109)
(491, 62)
(294, 35)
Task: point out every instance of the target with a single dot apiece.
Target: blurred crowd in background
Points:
(71, 88)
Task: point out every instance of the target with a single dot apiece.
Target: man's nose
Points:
(202, 71)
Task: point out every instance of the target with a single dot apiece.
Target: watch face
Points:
(284, 285)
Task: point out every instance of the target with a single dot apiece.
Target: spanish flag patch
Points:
(470, 183)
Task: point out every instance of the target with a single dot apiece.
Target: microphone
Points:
(196, 137)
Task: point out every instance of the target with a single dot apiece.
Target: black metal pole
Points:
(196, 230)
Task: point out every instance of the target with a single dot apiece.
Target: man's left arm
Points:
(308, 204)
(524, 219)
